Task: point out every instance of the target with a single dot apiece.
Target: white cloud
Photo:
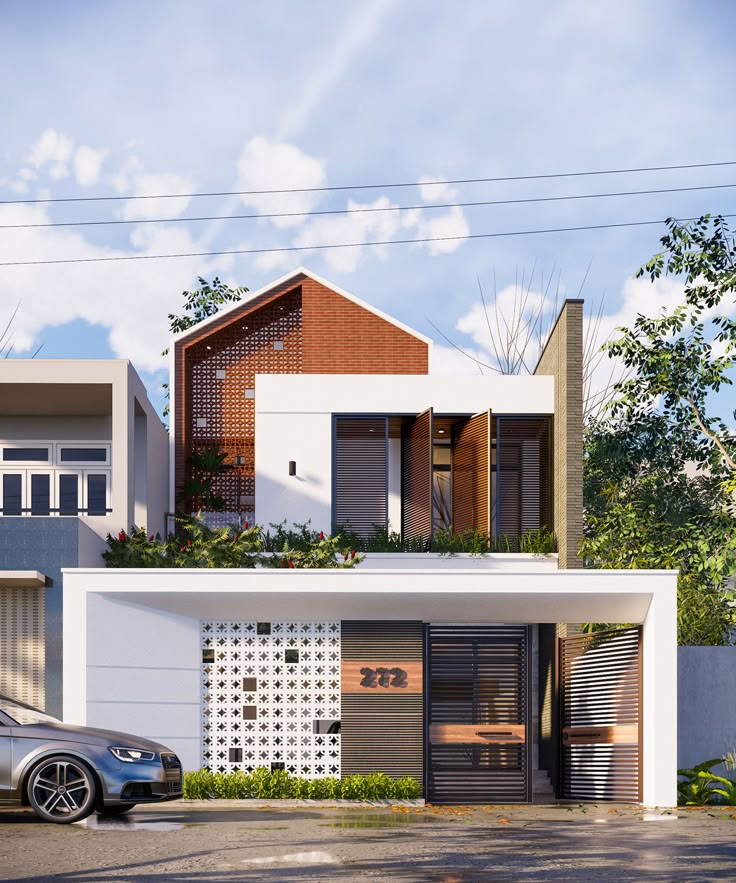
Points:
(87, 165)
(152, 185)
(352, 228)
(445, 359)
(53, 149)
(452, 226)
(27, 174)
(131, 299)
(265, 165)
(436, 190)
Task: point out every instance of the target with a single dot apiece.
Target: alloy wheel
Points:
(62, 790)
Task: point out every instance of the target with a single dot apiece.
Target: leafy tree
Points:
(659, 470)
(199, 305)
(199, 491)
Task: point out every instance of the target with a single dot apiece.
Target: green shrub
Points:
(700, 786)
(266, 785)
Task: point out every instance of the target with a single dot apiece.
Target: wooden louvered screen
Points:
(478, 718)
(360, 474)
(416, 479)
(382, 726)
(471, 475)
(524, 475)
(601, 717)
(22, 645)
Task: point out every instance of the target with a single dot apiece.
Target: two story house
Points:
(461, 670)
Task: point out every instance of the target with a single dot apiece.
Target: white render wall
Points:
(294, 422)
(131, 650)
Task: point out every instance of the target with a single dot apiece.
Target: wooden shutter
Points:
(360, 485)
(416, 491)
(471, 475)
(523, 477)
(601, 715)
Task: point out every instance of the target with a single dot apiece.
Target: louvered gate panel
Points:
(416, 490)
(601, 717)
(478, 714)
(471, 475)
(22, 645)
(360, 474)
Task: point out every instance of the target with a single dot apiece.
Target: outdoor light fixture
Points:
(440, 432)
(292, 467)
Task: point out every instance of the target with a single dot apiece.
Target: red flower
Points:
(189, 543)
(183, 548)
(121, 536)
(345, 557)
(352, 554)
(245, 524)
(150, 539)
(321, 536)
(291, 563)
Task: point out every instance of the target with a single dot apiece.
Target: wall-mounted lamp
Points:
(292, 467)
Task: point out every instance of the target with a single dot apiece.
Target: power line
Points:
(352, 211)
(290, 248)
(705, 165)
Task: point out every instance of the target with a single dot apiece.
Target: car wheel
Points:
(62, 790)
(116, 810)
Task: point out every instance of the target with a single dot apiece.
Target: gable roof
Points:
(284, 280)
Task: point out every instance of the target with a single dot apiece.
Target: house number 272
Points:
(383, 677)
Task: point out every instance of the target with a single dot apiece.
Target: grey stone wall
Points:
(45, 544)
(706, 703)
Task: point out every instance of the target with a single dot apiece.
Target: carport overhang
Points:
(434, 595)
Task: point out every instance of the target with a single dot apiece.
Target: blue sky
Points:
(125, 98)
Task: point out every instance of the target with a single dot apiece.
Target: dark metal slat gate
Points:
(601, 715)
(478, 714)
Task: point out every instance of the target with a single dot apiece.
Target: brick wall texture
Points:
(301, 327)
(563, 359)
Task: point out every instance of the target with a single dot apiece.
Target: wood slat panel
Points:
(600, 715)
(360, 474)
(471, 475)
(523, 475)
(416, 476)
(382, 727)
(477, 734)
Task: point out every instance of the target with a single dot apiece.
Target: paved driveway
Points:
(454, 845)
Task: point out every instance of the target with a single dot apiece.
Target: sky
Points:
(178, 97)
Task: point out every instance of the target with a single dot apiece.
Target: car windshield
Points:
(25, 714)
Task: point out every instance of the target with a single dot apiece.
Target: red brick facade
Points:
(301, 326)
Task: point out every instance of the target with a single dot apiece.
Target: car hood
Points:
(86, 735)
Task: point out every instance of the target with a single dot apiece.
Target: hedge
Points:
(264, 784)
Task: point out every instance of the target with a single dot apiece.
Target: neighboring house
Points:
(82, 453)
(457, 670)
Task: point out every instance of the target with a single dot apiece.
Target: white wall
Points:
(294, 422)
(143, 674)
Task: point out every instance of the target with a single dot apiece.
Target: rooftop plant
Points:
(196, 545)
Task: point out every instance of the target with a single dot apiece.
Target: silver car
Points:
(65, 773)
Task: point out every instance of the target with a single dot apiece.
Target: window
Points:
(41, 494)
(12, 494)
(96, 494)
(83, 455)
(523, 475)
(26, 455)
(68, 495)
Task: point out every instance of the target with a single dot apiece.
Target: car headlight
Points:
(132, 755)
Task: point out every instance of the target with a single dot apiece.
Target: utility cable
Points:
(290, 248)
(363, 210)
(499, 179)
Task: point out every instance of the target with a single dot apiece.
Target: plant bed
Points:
(262, 784)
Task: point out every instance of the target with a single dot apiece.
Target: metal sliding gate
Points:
(601, 715)
(478, 718)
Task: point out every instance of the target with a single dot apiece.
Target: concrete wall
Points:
(562, 358)
(143, 675)
(294, 422)
(706, 713)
